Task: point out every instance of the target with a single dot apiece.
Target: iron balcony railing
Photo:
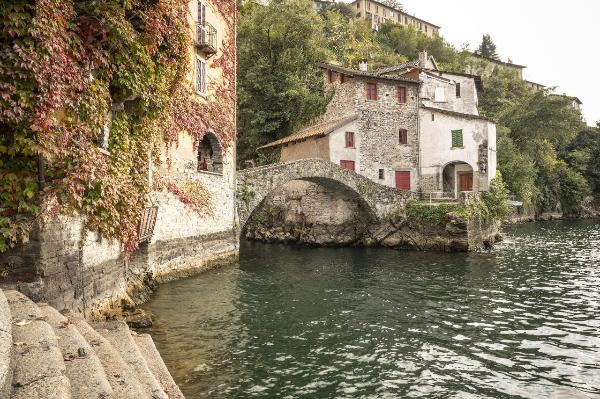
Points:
(206, 38)
(147, 223)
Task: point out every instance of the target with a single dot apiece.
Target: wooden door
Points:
(403, 180)
(465, 181)
(347, 165)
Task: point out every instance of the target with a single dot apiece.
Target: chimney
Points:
(363, 66)
(423, 58)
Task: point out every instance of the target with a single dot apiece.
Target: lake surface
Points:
(522, 321)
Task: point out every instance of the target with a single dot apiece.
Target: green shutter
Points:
(457, 138)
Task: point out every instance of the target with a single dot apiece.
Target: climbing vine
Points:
(73, 71)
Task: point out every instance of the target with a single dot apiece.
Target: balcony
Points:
(206, 38)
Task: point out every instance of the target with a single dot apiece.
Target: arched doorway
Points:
(457, 178)
(209, 154)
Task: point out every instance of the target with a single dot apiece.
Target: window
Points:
(440, 94)
(381, 174)
(458, 90)
(368, 6)
(406, 20)
(371, 91)
(201, 13)
(330, 76)
(432, 117)
(403, 136)
(342, 78)
(376, 9)
(200, 76)
(401, 94)
(347, 164)
(349, 139)
(457, 138)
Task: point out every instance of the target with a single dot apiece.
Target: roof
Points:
(477, 78)
(394, 68)
(401, 12)
(576, 99)
(372, 75)
(454, 113)
(534, 84)
(508, 64)
(319, 130)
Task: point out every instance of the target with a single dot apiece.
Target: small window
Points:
(401, 94)
(458, 90)
(432, 117)
(371, 91)
(457, 138)
(368, 6)
(381, 174)
(349, 139)
(403, 136)
(200, 76)
(342, 78)
(330, 76)
(425, 28)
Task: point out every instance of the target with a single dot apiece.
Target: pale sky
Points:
(556, 40)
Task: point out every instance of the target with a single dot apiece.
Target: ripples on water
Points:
(289, 322)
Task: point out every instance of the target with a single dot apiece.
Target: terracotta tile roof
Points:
(319, 130)
(372, 75)
(394, 68)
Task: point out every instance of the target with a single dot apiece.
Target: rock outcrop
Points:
(45, 354)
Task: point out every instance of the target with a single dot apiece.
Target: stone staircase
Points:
(48, 355)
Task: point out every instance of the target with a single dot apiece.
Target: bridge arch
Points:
(255, 184)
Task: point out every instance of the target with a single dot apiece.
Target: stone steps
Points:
(48, 355)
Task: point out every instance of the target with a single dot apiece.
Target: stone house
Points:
(379, 13)
(370, 126)
(409, 126)
(73, 268)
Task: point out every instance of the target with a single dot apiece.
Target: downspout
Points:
(419, 173)
(236, 220)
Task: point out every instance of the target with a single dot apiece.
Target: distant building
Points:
(322, 4)
(410, 126)
(534, 86)
(575, 101)
(379, 13)
(487, 68)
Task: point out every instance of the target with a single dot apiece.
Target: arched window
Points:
(209, 155)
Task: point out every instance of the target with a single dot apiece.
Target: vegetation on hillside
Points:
(547, 156)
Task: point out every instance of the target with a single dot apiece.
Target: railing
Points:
(147, 223)
(206, 38)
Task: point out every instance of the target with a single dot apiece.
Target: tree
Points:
(280, 86)
(393, 3)
(346, 10)
(488, 48)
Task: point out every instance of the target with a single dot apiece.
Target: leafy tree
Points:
(487, 48)
(393, 3)
(346, 10)
(279, 84)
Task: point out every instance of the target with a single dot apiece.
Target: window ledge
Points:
(206, 172)
(350, 148)
(457, 148)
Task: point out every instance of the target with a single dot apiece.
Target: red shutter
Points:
(403, 180)
(401, 94)
(371, 89)
(347, 165)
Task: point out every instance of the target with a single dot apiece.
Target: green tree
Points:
(346, 10)
(393, 3)
(487, 48)
(279, 84)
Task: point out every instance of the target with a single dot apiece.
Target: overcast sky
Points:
(556, 40)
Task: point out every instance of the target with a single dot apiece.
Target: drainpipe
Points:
(419, 137)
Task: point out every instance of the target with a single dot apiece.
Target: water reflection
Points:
(293, 322)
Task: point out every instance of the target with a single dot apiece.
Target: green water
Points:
(294, 322)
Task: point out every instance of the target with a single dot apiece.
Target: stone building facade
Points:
(378, 13)
(368, 127)
(410, 126)
(72, 268)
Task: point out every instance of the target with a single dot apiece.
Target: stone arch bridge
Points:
(254, 184)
